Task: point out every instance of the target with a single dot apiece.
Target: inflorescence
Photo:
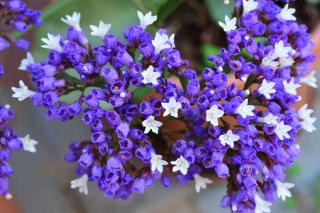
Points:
(128, 91)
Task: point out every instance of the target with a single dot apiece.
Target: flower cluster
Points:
(15, 16)
(9, 142)
(127, 92)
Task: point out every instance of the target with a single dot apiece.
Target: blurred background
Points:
(41, 180)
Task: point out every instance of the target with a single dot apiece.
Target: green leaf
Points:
(166, 9)
(88, 90)
(140, 93)
(207, 50)
(105, 105)
(71, 97)
(73, 73)
(217, 9)
(291, 203)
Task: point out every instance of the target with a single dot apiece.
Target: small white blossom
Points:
(307, 120)
(283, 189)
(171, 108)
(29, 144)
(244, 109)
(269, 61)
(147, 19)
(270, 119)
(287, 13)
(22, 93)
(8, 196)
(81, 183)
(282, 130)
(249, 5)
(286, 62)
(226, 1)
(151, 124)
(52, 42)
(157, 163)
(281, 51)
(310, 80)
(26, 62)
(201, 182)
(160, 42)
(150, 76)
(262, 206)
(171, 40)
(100, 30)
(73, 20)
(228, 138)
(290, 87)
(266, 88)
(229, 25)
(181, 164)
(213, 114)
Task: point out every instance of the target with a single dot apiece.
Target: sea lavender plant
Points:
(16, 16)
(246, 134)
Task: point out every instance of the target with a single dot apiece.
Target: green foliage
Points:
(291, 203)
(294, 170)
(140, 93)
(71, 97)
(217, 9)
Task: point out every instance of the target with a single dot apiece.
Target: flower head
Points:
(160, 42)
(29, 144)
(310, 80)
(146, 19)
(181, 165)
(151, 124)
(157, 163)
(228, 138)
(201, 182)
(73, 20)
(23, 92)
(213, 114)
(287, 13)
(283, 189)
(172, 107)
(81, 183)
(266, 88)
(229, 25)
(52, 42)
(150, 76)
(244, 109)
(100, 30)
(249, 5)
(282, 130)
(262, 206)
(291, 87)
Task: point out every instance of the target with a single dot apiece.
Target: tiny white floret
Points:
(249, 5)
(150, 124)
(310, 80)
(287, 13)
(150, 76)
(172, 107)
(213, 114)
(266, 88)
(307, 121)
(181, 164)
(262, 206)
(282, 130)
(100, 30)
(270, 119)
(26, 62)
(160, 42)
(157, 163)
(244, 109)
(281, 51)
(81, 183)
(22, 93)
(291, 87)
(228, 138)
(73, 20)
(146, 19)
(29, 144)
(52, 42)
(201, 182)
(283, 189)
(229, 25)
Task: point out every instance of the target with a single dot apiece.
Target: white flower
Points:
(282, 130)
(160, 42)
(307, 120)
(283, 189)
(157, 163)
(287, 13)
(249, 5)
(147, 19)
(226, 1)
(213, 114)
(244, 109)
(270, 119)
(26, 62)
(229, 25)
(73, 20)
(171, 40)
(100, 30)
(171, 107)
(280, 51)
(81, 183)
(269, 61)
(310, 80)
(181, 164)
(201, 182)
(262, 206)
(29, 144)
(150, 76)
(229, 138)
(290, 87)
(266, 88)
(52, 42)
(286, 62)
(22, 93)
(8, 196)
(151, 124)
